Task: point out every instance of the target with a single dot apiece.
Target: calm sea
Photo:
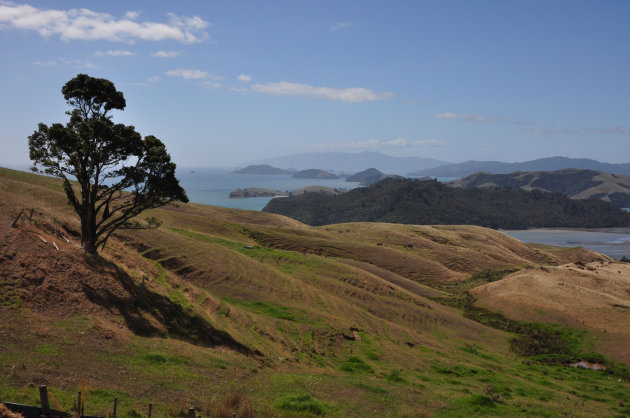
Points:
(212, 186)
(614, 242)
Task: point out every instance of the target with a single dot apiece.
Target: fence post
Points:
(43, 397)
(115, 406)
(150, 408)
(191, 412)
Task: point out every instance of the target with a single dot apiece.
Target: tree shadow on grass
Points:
(141, 308)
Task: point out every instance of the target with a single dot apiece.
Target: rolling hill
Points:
(574, 183)
(542, 164)
(258, 314)
(430, 202)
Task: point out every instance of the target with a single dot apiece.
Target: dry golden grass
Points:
(594, 296)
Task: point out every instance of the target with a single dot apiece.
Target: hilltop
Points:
(313, 173)
(259, 314)
(542, 164)
(430, 202)
(576, 184)
(368, 177)
(262, 169)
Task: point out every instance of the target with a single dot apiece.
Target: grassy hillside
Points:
(577, 184)
(430, 202)
(258, 314)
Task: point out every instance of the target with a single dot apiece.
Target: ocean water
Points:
(614, 242)
(212, 186)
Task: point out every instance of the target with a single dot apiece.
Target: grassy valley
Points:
(258, 314)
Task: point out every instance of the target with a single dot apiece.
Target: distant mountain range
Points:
(351, 162)
(574, 183)
(433, 203)
(542, 164)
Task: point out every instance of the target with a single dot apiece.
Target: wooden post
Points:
(79, 402)
(150, 408)
(191, 412)
(115, 406)
(30, 218)
(16, 219)
(43, 397)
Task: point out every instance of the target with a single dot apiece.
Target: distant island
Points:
(262, 169)
(326, 191)
(368, 177)
(542, 164)
(262, 192)
(574, 183)
(352, 162)
(430, 202)
(255, 192)
(313, 173)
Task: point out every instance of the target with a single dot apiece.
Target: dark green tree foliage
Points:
(432, 203)
(119, 173)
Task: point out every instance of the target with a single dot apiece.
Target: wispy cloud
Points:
(515, 121)
(49, 63)
(340, 25)
(244, 78)
(468, 117)
(349, 95)
(166, 54)
(623, 130)
(548, 132)
(376, 143)
(476, 118)
(212, 84)
(85, 24)
(192, 74)
(443, 115)
(154, 79)
(115, 53)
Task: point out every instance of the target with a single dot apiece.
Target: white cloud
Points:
(349, 95)
(192, 74)
(475, 118)
(212, 84)
(166, 54)
(132, 15)
(49, 63)
(154, 79)
(623, 130)
(244, 78)
(340, 25)
(376, 143)
(116, 53)
(85, 24)
(547, 132)
(444, 115)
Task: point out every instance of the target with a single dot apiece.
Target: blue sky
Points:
(226, 82)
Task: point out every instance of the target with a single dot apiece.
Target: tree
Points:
(119, 174)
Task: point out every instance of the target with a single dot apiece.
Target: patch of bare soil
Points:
(56, 280)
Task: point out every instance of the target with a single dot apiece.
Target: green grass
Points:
(302, 403)
(355, 365)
